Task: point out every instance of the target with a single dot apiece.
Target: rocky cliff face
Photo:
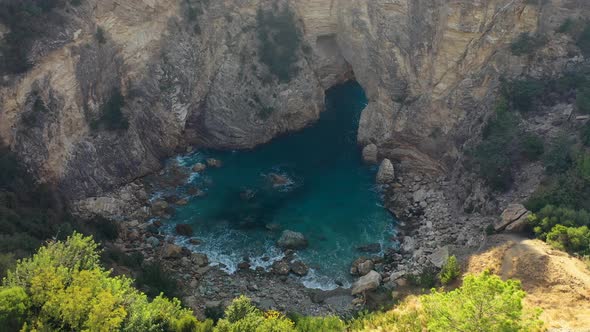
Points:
(191, 74)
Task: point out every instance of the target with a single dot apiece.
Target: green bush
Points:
(494, 154)
(63, 287)
(324, 324)
(570, 239)
(583, 40)
(100, 35)
(567, 26)
(527, 43)
(532, 146)
(583, 100)
(523, 94)
(425, 279)
(279, 42)
(585, 134)
(154, 280)
(559, 157)
(483, 303)
(550, 216)
(450, 271)
(112, 117)
(26, 20)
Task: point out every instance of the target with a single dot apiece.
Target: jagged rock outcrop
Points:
(429, 69)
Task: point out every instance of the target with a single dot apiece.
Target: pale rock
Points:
(292, 240)
(368, 282)
(370, 154)
(386, 173)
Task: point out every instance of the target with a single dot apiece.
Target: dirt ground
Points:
(554, 281)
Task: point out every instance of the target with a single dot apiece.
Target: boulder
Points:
(281, 268)
(386, 173)
(199, 260)
(184, 230)
(299, 268)
(199, 167)
(181, 202)
(292, 240)
(368, 282)
(159, 207)
(409, 244)
(439, 257)
(365, 267)
(370, 154)
(212, 162)
(361, 266)
(514, 213)
(370, 248)
(172, 251)
(278, 180)
(152, 241)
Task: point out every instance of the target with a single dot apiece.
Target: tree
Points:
(63, 287)
(483, 303)
(450, 271)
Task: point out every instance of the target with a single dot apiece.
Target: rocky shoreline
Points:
(429, 230)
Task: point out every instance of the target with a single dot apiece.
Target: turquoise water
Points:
(330, 197)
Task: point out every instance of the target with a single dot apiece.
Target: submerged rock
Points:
(159, 207)
(199, 167)
(278, 180)
(292, 240)
(212, 162)
(386, 173)
(184, 230)
(370, 154)
(370, 248)
(299, 268)
(369, 282)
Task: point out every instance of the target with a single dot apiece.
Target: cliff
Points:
(191, 73)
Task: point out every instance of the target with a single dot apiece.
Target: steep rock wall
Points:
(429, 68)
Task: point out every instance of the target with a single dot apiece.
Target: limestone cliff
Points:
(191, 75)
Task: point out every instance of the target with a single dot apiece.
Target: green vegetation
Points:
(522, 94)
(494, 155)
(112, 117)
(583, 40)
(527, 43)
(450, 271)
(583, 99)
(100, 35)
(279, 42)
(64, 287)
(27, 21)
(532, 147)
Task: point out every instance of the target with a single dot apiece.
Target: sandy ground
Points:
(554, 281)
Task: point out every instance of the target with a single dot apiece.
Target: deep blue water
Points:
(331, 197)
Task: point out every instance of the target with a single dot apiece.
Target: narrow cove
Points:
(312, 181)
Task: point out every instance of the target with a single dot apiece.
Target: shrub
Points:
(112, 117)
(583, 100)
(63, 287)
(100, 35)
(571, 239)
(450, 271)
(523, 93)
(550, 216)
(494, 154)
(527, 43)
(583, 40)
(242, 316)
(559, 157)
(585, 134)
(324, 324)
(483, 303)
(425, 279)
(279, 41)
(567, 26)
(154, 280)
(532, 146)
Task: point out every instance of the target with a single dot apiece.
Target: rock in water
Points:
(386, 172)
(299, 268)
(365, 267)
(370, 248)
(292, 240)
(212, 162)
(278, 180)
(199, 167)
(281, 268)
(370, 154)
(184, 230)
(368, 282)
(199, 260)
